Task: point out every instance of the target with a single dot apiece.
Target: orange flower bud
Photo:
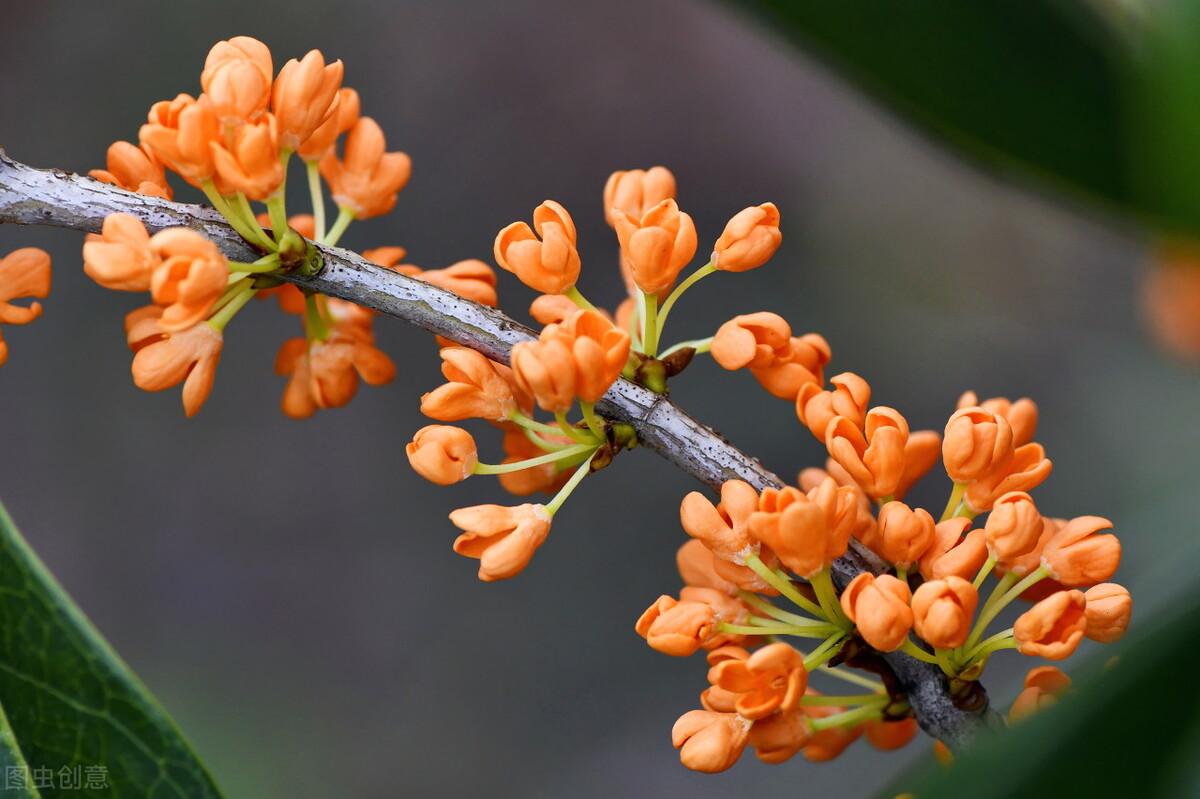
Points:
(442, 454)
(875, 461)
(599, 351)
(725, 530)
(1052, 628)
(180, 133)
(248, 161)
(548, 261)
(845, 516)
(1109, 607)
(120, 257)
(325, 374)
(849, 397)
(636, 191)
(921, 452)
(191, 277)
(965, 560)
(237, 77)
(304, 96)
(546, 369)
(976, 443)
(1027, 470)
(771, 679)
(758, 340)
(1022, 415)
(1013, 527)
(189, 356)
(344, 114)
(1024, 564)
(889, 735)
(366, 179)
(943, 610)
(503, 539)
(1043, 686)
(749, 240)
(714, 697)
(796, 530)
(552, 309)
(677, 628)
(1078, 555)
(879, 608)
(471, 279)
(133, 168)
(802, 364)
(905, 534)
(23, 273)
(725, 608)
(141, 327)
(476, 388)
(697, 568)
(779, 737)
(947, 535)
(708, 741)
(656, 245)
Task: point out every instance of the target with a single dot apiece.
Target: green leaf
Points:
(15, 778)
(76, 710)
(1034, 86)
(1127, 728)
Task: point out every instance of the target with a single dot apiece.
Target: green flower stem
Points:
(1001, 640)
(956, 495)
(234, 286)
(822, 584)
(750, 629)
(345, 217)
(570, 430)
(910, 648)
(528, 463)
(758, 603)
(268, 263)
(276, 203)
(853, 677)
(700, 345)
(315, 326)
(650, 324)
(549, 446)
(689, 281)
(243, 205)
(902, 574)
(985, 570)
(780, 582)
(519, 418)
(554, 504)
(594, 422)
(825, 652)
(993, 606)
(945, 661)
(235, 304)
(868, 712)
(576, 296)
(824, 700)
(318, 198)
(234, 216)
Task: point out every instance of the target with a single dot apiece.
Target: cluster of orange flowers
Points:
(579, 354)
(752, 547)
(24, 274)
(234, 142)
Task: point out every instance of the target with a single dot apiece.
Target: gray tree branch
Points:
(55, 198)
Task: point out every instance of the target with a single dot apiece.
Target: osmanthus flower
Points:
(1022, 415)
(680, 627)
(749, 240)
(904, 534)
(325, 373)
(829, 743)
(657, 245)
(849, 398)
(873, 457)
(237, 77)
(190, 277)
(248, 161)
(120, 257)
(345, 112)
(546, 261)
(780, 736)
(955, 551)
(24, 273)
(165, 359)
(135, 169)
(888, 736)
(697, 566)
(725, 530)
(365, 181)
(1052, 628)
(1013, 528)
(503, 539)
(577, 359)
(475, 388)
(799, 531)
(304, 96)
(1108, 610)
(180, 133)
(1079, 554)
(763, 343)
(1028, 468)
(879, 608)
(976, 443)
(633, 192)
(710, 742)
(943, 611)
(770, 679)
(442, 454)
(1043, 686)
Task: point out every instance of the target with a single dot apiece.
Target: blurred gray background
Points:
(287, 588)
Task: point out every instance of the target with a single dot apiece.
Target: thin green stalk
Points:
(243, 205)
(1001, 640)
(519, 418)
(825, 700)
(984, 570)
(700, 345)
(825, 652)
(867, 712)
(822, 584)
(554, 504)
(650, 324)
(268, 263)
(956, 495)
(222, 317)
(673, 297)
(315, 326)
(569, 429)
(234, 216)
(758, 603)
(549, 446)
(528, 463)
(576, 296)
(994, 606)
(910, 648)
(783, 629)
(594, 422)
(318, 198)
(852, 677)
(345, 217)
(783, 585)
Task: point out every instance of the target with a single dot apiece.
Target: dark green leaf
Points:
(16, 781)
(76, 710)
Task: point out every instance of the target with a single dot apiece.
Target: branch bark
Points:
(30, 196)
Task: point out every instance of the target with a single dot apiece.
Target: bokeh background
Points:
(287, 588)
